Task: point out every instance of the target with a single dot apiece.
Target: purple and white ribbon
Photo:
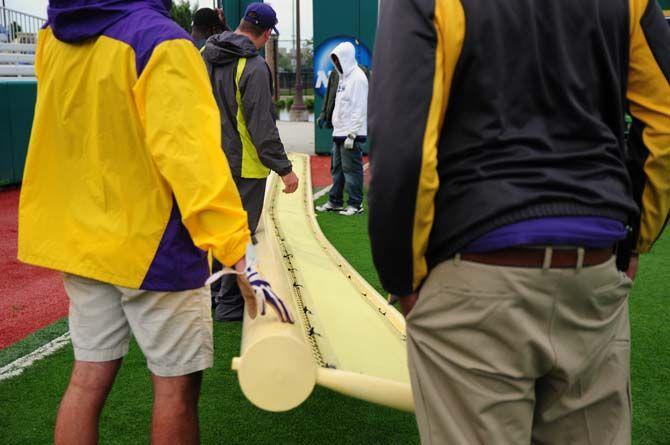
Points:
(262, 289)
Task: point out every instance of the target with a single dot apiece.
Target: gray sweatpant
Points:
(227, 298)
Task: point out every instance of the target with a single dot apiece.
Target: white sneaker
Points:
(328, 207)
(351, 211)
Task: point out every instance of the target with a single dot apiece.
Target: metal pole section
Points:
(4, 18)
(12, 27)
(271, 51)
(298, 103)
(293, 23)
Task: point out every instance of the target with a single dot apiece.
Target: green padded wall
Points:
(234, 10)
(17, 106)
(6, 157)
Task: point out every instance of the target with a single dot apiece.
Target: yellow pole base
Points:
(276, 373)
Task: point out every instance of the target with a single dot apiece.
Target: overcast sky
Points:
(284, 10)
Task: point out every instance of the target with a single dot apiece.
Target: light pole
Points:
(271, 50)
(298, 110)
(4, 16)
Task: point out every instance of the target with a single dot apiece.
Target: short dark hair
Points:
(206, 18)
(250, 28)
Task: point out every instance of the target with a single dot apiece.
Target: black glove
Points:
(625, 250)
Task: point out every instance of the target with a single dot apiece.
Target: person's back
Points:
(256, 149)
(125, 190)
(518, 124)
(528, 92)
(100, 148)
(498, 196)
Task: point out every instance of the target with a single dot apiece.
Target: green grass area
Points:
(32, 342)
(649, 304)
(28, 403)
(651, 346)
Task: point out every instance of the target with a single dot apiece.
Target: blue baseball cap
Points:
(262, 15)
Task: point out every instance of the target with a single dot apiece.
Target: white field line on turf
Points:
(19, 365)
(325, 190)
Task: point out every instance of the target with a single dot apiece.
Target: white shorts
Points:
(173, 329)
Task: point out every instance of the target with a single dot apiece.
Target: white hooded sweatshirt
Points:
(350, 115)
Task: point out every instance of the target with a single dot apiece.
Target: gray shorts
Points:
(173, 329)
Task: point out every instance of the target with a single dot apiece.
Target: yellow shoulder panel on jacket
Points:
(252, 167)
(649, 99)
(93, 202)
(450, 28)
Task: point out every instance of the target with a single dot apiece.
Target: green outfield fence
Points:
(17, 105)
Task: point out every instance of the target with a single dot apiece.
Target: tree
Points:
(308, 53)
(286, 60)
(183, 13)
(285, 63)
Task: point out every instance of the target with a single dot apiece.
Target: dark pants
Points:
(226, 296)
(346, 168)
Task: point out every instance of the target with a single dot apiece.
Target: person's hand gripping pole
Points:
(257, 292)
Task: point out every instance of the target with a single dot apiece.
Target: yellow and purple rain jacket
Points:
(125, 180)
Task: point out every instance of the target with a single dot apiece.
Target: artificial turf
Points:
(28, 403)
(650, 326)
(32, 342)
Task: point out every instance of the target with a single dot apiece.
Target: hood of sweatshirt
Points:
(76, 20)
(346, 54)
(228, 47)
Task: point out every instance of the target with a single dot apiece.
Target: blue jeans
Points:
(346, 168)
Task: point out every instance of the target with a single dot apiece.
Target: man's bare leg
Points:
(79, 411)
(175, 411)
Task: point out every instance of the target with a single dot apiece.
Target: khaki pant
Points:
(173, 329)
(502, 355)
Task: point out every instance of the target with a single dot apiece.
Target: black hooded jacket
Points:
(222, 54)
(513, 110)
